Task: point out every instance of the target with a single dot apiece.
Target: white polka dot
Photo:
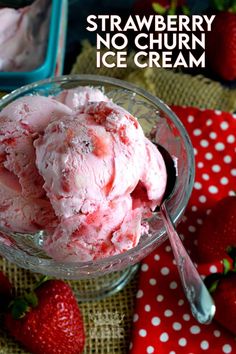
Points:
(205, 176)
(182, 342)
(213, 189)
(227, 348)
(227, 159)
(204, 345)
(216, 168)
(173, 285)
(217, 112)
(195, 329)
(152, 281)
(130, 345)
(217, 333)
(230, 139)
(165, 271)
(186, 317)
(168, 248)
(180, 302)
(208, 211)
(150, 349)
(209, 156)
(157, 257)
(147, 308)
(231, 193)
(197, 132)
(168, 313)
(200, 164)
(135, 317)
(191, 228)
(174, 261)
(172, 352)
(208, 122)
(233, 172)
(224, 125)
(197, 185)
(139, 294)
(155, 321)
(213, 269)
(224, 181)
(190, 119)
(142, 332)
(195, 151)
(160, 298)
(219, 146)
(213, 135)
(144, 267)
(200, 221)
(202, 199)
(177, 326)
(164, 337)
(204, 143)
(194, 208)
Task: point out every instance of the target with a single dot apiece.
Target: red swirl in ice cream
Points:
(86, 164)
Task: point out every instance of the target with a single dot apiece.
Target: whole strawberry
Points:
(221, 45)
(218, 231)
(48, 321)
(5, 291)
(223, 289)
(225, 301)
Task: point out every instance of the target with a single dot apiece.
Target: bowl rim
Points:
(100, 80)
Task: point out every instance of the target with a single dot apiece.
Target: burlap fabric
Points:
(112, 334)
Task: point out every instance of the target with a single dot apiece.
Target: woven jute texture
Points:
(108, 321)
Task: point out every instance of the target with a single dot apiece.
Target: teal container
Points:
(11, 80)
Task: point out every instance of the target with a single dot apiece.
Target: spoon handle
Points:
(202, 304)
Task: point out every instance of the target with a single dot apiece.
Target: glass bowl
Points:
(108, 275)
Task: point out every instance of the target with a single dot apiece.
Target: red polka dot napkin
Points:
(162, 322)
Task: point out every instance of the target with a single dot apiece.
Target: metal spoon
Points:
(201, 303)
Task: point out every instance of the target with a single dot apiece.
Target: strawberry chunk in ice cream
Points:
(86, 164)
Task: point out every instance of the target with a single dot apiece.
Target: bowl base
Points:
(94, 289)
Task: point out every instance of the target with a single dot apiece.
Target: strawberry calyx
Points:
(229, 268)
(171, 8)
(224, 5)
(23, 304)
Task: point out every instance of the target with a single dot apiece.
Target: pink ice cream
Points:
(85, 163)
(23, 36)
(80, 96)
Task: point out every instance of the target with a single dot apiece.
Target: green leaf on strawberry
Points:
(222, 286)
(158, 8)
(19, 307)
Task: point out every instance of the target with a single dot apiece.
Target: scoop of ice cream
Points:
(101, 175)
(81, 96)
(23, 36)
(21, 214)
(17, 155)
(34, 113)
(83, 158)
(85, 237)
